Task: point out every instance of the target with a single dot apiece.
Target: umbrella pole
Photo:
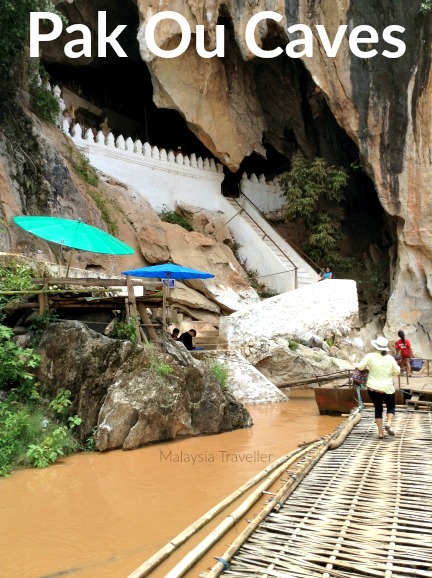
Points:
(69, 263)
(164, 316)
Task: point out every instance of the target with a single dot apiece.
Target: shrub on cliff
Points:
(314, 192)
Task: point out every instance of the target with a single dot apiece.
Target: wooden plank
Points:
(95, 282)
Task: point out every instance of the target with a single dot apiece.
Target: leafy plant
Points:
(83, 167)
(15, 362)
(125, 330)
(14, 28)
(220, 371)
(15, 277)
(40, 324)
(426, 6)
(49, 450)
(293, 345)
(102, 205)
(90, 443)
(314, 192)
(175, 219)
(42, 100)
(161, 368)
(61, 402)
(74, 421)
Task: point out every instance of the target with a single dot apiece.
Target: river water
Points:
(102, 515)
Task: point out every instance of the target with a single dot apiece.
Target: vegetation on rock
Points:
(314, 192)
(175, 219)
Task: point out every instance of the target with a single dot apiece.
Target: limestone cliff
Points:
(383, 104)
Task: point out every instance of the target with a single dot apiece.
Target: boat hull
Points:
(339, 400)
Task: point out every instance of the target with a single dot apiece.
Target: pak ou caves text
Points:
(361, 39)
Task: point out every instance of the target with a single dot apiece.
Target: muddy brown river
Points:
(102, 515)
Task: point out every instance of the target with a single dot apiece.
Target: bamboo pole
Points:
(175, 543)
(55, 291)
(194, 555)
(276, 504)
(133, 308)
(94, 281)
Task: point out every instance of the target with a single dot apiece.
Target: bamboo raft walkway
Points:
(365, 509)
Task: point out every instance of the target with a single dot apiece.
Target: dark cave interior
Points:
(122, 89)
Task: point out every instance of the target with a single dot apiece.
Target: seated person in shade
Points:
(187, 339)
(326, 274)
(175, 334)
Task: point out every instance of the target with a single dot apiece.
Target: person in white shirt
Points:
(382, 367)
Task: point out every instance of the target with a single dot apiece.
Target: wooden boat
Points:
(339, 400)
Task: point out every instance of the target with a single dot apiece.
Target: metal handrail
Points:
(296, 247)
(274, 242)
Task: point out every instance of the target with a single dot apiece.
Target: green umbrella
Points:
(74, 234)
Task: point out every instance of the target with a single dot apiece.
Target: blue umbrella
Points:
(170, 271)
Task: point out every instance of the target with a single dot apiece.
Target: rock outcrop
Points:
(131, 393)
(320, 309)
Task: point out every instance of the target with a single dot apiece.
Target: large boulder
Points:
(131, 393)
(316, 310)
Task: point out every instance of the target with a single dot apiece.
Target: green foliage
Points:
(90, 443)
(314, 192)
(293, 345)
(83, 167)
(42, 100)
(15, 277)
(102, 205)
(125, 330)
(426, 6)
(60, 404)
(74, 421)
(40, 324)
(14, 28)
(330, 342)
(50, 448)
(175, 219)
(262, 290)
(220, 371)
(28, 437)
(372, 279)
(161, 368)
(15, 362)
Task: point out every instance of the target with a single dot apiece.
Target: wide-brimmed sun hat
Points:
(380, 343)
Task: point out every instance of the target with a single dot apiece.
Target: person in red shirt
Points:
(403, 348)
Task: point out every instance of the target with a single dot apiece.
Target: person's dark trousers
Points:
(378, 398)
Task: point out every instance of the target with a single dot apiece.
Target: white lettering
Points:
(250, 34)
(103, 39)
(354, 41)
(35, 37)
(307, 42)
(220, 42)
(387, 36)
(85, 41)
(331, 49)
(150, 34)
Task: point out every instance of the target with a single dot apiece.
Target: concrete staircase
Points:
(288, 258)
(209, 339)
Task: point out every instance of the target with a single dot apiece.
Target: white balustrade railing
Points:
(93, 137)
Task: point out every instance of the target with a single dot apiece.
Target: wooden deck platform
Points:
(365, 509)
